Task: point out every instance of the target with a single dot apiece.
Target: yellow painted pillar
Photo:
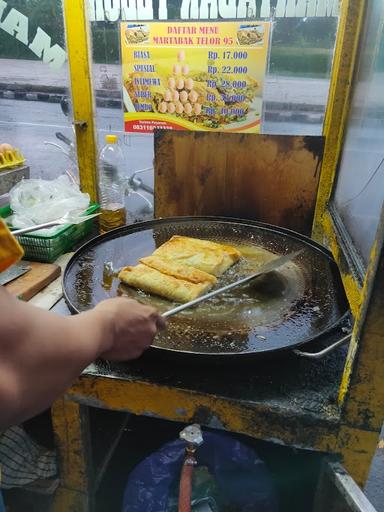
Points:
(77, 32)
(72, 432)
(348, 36)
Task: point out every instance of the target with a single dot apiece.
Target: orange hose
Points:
(185, 491)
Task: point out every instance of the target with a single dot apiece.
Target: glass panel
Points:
(296, 91)
(360, 187)
(297, 82)
(34, 78)
(137, 149)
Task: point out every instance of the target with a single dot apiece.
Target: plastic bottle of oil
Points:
(111, 189)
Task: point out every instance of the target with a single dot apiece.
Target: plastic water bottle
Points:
(111, 188)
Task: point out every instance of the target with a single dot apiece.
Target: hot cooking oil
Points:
(111, 217)
(111, 187)
(108, 276)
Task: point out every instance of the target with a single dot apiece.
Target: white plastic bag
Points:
(39, 201)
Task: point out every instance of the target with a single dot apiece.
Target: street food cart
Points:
(325, 395)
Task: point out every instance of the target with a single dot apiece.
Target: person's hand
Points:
(131, 325)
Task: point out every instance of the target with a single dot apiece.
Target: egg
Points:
(171, 83)
(183, 96)
(189, 83)
(185, 69)
(180, 83)
(5, 147)
(188, 109)
(179, 108)
(197, 108)
(193, 96)
(181, 56)
(175, 96)
(162, 107)
(171, 108)
(177, 69)
(167, 95)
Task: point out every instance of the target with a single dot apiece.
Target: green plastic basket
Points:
(46, 248)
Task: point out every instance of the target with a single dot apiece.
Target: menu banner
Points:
(194, 76)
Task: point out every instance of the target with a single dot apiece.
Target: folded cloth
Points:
(23, 461)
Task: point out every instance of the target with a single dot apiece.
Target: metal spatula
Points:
(67, 219)
(264, 269)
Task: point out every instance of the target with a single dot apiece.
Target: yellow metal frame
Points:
(77, 32)
(70, 422)
(361, 394)
(340, 94)
(324, 228)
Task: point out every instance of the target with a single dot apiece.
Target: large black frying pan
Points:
(300, 302)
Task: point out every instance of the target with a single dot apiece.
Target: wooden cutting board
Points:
(40, 275)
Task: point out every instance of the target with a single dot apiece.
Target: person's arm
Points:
(41, 352)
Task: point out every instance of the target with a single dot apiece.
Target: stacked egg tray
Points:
(11, 158)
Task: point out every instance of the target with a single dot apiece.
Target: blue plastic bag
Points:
(240, 475)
